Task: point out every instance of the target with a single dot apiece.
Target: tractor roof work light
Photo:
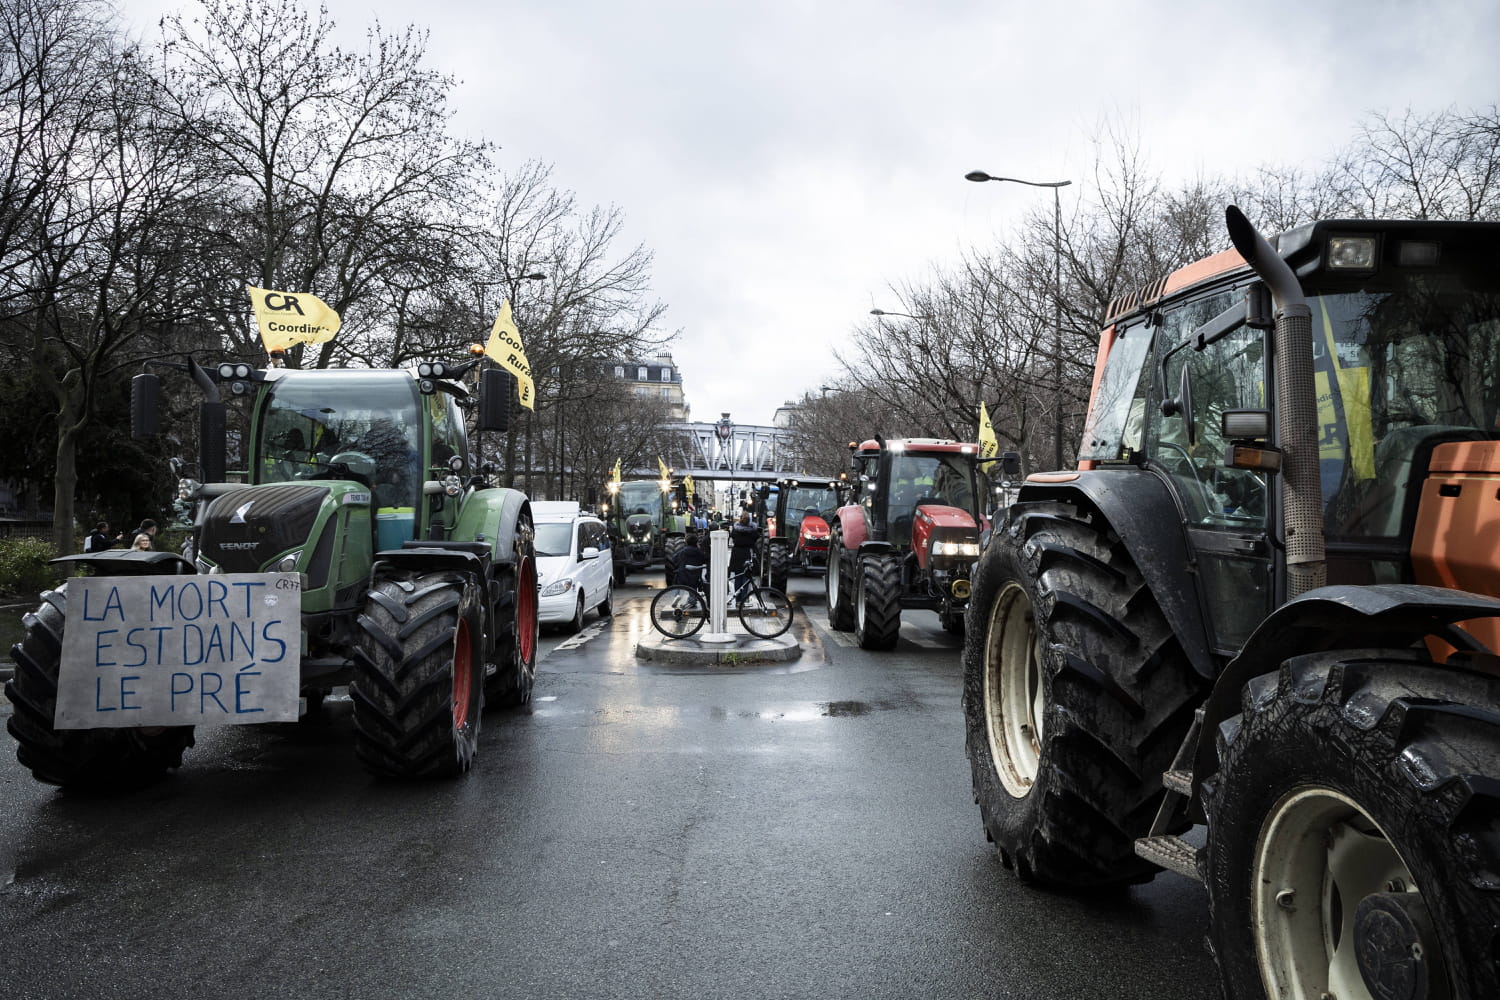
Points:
(1351, 253)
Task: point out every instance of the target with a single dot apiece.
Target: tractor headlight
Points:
(452, 485)
(1351, 253)
(288, 562)
(557, 587)
(962, 549)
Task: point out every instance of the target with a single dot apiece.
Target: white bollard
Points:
(718, 587)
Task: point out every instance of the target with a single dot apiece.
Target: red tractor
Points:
(796, 513)
(908, 538)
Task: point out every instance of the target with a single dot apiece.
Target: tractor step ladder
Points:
(1168, 850)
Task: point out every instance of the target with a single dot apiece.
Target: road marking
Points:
(584, 636)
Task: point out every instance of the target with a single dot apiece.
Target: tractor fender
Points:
(127, 562)
(1342, 617)
(490, 516)
(1134, 502)
(852, 522)
(866, 547)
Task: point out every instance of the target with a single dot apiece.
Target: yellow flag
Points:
(666, 473)
(287, 320)
(504, 346)
(615, 477)
(989, 445)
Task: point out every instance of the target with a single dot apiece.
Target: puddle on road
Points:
(845, 709)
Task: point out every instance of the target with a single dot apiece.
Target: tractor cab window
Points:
(1402, 365)
(447, 433)
(1224, 510)
(802, 501)
(361, 425)
(1198, 383)
(640, 498)
(944, 478)
(1116, 413)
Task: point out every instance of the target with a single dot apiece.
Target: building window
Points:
(666, 374)
(619, 371)
(666, 394)
(641, 374)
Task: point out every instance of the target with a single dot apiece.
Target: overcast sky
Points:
(787, 162)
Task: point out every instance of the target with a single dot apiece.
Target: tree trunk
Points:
(66, 483)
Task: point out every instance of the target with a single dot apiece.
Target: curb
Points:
(744, 651)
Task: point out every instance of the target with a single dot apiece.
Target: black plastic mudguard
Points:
(1141, 510)
(1382, 616)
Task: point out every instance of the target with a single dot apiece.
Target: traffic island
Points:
(739, 651)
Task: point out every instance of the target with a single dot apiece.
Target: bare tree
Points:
(105, 225)
(343, 178)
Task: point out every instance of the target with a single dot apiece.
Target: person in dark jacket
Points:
(691, 565)
(98, 539)
(742, 539)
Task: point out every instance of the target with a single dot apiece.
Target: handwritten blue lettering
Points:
(100, 645)
(204, 694)
(188, 678)
(240, 680)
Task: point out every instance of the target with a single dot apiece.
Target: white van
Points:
(573, 565)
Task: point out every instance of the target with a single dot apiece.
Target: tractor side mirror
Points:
(496, 387)
(145, 405)
(1010, 464)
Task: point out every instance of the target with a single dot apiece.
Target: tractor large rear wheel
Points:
(76, 758)
(877, 613)
(838, 584)
(1354, 831)
(418, 675)
(511, 671)
(1076, 697)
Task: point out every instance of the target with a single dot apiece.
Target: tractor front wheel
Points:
(671, 548)
(1076, 697)
(1354, 831)
(838, 584)
(417, 676)
(779, 560)
(877, 615)
(95, 759)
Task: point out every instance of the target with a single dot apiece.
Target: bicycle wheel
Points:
(766, 612)
(678, 612)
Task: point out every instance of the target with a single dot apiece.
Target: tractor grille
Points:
(244, 529)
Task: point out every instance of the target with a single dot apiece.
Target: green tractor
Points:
(646, 527)
(405, 577)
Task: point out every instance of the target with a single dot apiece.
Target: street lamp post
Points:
(979, 176)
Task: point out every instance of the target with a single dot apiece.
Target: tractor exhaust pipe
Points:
(1296, 408)
(961, 589)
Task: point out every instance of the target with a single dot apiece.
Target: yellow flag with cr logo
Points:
(504, 346)
(286, 320)
(989, 445)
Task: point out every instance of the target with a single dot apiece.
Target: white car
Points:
(573, 564)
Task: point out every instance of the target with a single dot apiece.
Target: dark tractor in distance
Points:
(646, 527)
(417, 580)
(907, 538)
(1264, 604)
(795, 514)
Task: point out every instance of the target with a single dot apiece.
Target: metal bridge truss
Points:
(731, 451)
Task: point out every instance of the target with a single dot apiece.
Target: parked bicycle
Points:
(681, 609)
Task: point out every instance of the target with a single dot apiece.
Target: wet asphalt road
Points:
(802, 830)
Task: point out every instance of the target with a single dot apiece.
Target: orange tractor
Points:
(907, 537)
(1264, 606)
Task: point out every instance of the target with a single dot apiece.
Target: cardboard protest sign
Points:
(180, 651)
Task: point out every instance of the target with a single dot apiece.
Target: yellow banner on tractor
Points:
(666, 473)
(615, 476)
(504, 346)
(286, 320)
(989, 445)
